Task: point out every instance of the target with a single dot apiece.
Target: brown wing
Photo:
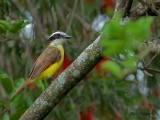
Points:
(48, 57)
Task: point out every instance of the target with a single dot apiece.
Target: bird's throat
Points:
(57, 42)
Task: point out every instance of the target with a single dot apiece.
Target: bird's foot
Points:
(52, 79)
(44, 84)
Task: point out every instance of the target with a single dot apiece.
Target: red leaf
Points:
(98, 67)
(32, 85)
(88, 115)
(148, 106)
(108, 4)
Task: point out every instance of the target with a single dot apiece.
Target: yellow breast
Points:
(53, 68)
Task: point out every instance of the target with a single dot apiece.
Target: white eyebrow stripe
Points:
(58, 32)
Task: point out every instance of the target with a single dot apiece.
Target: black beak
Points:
(67, 36)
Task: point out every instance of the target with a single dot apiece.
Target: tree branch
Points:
(36, 18)
(120, 6)
(152, 59)
(69, 78)
(8, 39)
(152, 8)
(65, 82)
(139, 10)
(149, 69)
(72, 15)
(127, 8)
(54, 16)
(79, 18)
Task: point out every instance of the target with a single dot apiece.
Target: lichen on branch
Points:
(65, 82)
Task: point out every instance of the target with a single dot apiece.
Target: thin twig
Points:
(60, 13)
(150, 7)
(120, 5)
(37, 19)
(80, 19)
(149, 69)
(82, 8)
(152, 59)
(54, 18)
(19, 6)
(8, 39)
(147, 73)
(139, 10)
(127, 8)
(154, 70)
(73, 11)
(145, 68)
(115, 60)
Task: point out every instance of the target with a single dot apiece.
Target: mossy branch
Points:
(65, 82)
(72, 76)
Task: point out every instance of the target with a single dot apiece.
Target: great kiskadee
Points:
(49, 61)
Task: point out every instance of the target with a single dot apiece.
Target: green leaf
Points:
(113, 68)
(18, 25)
(112, 27)
(2, 29)
(142, 26)
(130, 63)
(17, 114)
(40, 85)
(6, 24)
(112, 46)
(5, 117)
(106, 89)
(2, 104)
(118, 38)
(6, 82)
(15, 99)
(17, 84)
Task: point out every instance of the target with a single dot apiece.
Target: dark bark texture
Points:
(82, 66)
(65, 82)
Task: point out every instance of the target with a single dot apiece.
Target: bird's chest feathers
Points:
(53, 68)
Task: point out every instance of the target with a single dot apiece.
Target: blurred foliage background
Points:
(119, 90)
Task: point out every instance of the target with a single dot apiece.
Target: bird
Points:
(49, 61)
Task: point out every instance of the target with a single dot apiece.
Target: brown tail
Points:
(24, 84)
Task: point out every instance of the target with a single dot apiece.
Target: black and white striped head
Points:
(58, 36)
